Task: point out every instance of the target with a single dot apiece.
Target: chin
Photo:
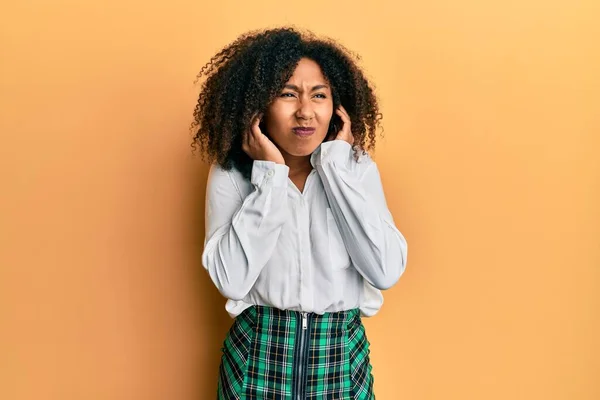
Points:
(302, 153)
(303, 150)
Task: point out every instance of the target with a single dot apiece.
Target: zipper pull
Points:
(304, 321)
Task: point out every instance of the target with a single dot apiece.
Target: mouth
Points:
(303, 132)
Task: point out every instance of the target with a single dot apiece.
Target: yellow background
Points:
(490, 165)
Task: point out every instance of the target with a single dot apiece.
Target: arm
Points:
(377, 248)
(241, 234)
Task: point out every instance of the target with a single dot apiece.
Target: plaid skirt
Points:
(270, 353)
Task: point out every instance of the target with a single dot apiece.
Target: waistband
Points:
(273, 317)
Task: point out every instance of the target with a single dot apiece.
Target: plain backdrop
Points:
(489, 161)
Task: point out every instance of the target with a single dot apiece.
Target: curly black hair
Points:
(248, 74)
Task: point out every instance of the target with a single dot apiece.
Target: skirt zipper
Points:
(302, 358)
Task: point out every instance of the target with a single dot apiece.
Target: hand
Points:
(345, 133)
(258, 146)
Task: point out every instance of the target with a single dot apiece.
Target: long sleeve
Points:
(355, 194)
(241, 233)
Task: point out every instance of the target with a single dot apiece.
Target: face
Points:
(305, 102)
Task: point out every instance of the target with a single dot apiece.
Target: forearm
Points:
(236, 252)
(377, 248)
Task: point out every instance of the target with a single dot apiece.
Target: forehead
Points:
(307, 72)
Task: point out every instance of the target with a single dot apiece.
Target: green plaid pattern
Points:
(261, 351)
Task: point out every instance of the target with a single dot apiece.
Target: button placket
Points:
(303, 225)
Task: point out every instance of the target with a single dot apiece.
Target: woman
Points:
(298, 234)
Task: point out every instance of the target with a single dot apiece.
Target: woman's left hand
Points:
(345, 133)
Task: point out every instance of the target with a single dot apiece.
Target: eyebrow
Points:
(297, 89)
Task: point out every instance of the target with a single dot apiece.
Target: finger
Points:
(248, 135)
(343, 110)
(255, 126)
(345, 118)
(246, 141)
(346, 133)
(346, 124)
(248, 130)
(251, 139)
(347, 128)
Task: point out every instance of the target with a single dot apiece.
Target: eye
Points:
(288, 93)
(321, 94)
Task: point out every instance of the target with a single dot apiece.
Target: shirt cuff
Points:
(264, 172)
(334, 150)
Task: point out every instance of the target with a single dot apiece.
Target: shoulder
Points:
(362, 156)
(342, 156)
(225, 181)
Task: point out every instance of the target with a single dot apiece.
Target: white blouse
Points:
(332, 247)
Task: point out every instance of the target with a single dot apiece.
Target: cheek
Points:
(326, 119)
(326, 111)
(276, 116)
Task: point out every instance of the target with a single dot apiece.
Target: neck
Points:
(298, 164)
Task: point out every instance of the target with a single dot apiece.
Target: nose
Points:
(305, 110)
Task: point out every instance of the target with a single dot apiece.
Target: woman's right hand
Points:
(258, 146)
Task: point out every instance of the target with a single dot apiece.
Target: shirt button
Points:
(324, 152)
(270, 173)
